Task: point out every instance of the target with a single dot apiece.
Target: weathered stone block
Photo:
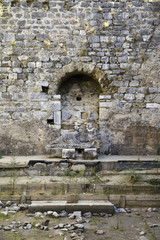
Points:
(42, 83)
(66, 115)
(17, 70)
(104, 113)
(78, 167)
(9, 37)
(68, 153)
(152, 105)
(56, 106)
(57, 118)
(134, 83)
(105, 104)
(103, 97)
(90, 153)
(140, 96)
(129, 96)
(56, 97)
(31, 64)
(55, 152)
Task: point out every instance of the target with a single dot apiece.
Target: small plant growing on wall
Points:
(47, 43)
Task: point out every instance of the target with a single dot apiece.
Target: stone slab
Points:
(22, 161)
(81, 205)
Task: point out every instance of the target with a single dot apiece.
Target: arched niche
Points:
(79, 94)
(79, 101)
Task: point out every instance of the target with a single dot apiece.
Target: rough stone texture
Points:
(114, 45)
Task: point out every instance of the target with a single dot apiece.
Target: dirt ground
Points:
(137, 225)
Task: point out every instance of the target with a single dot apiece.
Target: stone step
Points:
(81, 205)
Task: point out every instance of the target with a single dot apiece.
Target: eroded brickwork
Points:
(114, 43)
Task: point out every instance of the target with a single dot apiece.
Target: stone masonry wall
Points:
(44, 42)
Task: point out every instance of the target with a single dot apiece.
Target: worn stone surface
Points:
(114, 45)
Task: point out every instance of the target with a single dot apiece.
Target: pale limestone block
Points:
(105, 104)
(134, 83)
(152, 105)
(38, 64)
(102, 97)
(22, 58)
(42, 83)
(129, 96)
(140, 96)
(17, 70)
(56, 97)
(58, 127)
(57, 117)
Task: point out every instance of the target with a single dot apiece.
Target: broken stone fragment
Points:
(46, 222)
(77, 214)
(99, 232)
(1, 204)
(142, 233)
(55, 214)
(87, 215)
(49, 213)
(72, 216)
(38, 225)
(38, 214)
(8, 203)
(63, 214)
(7, 228)
(61, 225)
(79, 226)
(5, 213)
(23, 206)
(56, 227)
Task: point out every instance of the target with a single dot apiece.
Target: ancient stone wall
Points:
(45, 43)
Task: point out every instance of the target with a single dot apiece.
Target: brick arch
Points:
(81, 68)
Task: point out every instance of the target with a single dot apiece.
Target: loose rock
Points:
(99, 232)
(87, 215)
(63, 214)
(55, 214)
(142, 233)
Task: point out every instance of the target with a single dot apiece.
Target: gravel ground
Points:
(140, 224)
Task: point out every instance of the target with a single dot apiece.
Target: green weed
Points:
(3, 217)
